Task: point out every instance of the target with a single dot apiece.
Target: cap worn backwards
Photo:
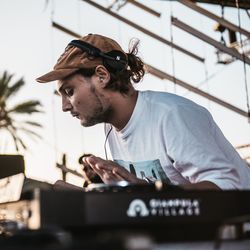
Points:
(74, 58)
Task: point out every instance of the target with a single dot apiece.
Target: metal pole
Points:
(209, 40)
(218, 19)
(162, 75)
(140, 28)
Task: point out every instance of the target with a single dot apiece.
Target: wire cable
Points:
(79, 26)
(244, 62)
(172, 49)
(248, 13)
(106, 139)
(54, 124)
(205, 81)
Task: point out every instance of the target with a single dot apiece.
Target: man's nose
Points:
(66, 105)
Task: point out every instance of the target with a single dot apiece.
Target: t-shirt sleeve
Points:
(194, 146)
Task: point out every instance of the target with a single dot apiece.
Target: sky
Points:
(30, 47)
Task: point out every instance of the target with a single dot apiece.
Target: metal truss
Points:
(163, 75)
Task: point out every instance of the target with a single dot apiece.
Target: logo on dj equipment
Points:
(137, 208)
(164, 207)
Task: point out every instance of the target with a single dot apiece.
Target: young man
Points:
(152, 135)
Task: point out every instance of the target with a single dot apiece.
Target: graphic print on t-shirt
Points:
(151, 170)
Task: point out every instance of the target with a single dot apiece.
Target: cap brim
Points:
(55, 75)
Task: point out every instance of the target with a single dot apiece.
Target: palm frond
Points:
(8, 114)
(5, 80)
(4, 85)
(14, 88)
(35, 124)
(27, 107)
(30, 132)
(5, 119)
(17, 140)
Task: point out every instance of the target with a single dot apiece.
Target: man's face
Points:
(84, 99)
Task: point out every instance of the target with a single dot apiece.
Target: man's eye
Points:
(69, 92)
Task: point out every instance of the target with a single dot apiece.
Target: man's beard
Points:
(100, 114)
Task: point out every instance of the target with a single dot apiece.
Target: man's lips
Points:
(75, 115)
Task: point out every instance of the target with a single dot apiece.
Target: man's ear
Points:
(103, 75)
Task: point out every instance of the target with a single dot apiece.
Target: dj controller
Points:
(106, 216)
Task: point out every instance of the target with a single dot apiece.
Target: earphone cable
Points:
(106, 139)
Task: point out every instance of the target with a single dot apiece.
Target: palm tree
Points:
(9, 114)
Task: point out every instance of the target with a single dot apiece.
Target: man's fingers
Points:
(103, 168)
(116, 174)
(109, 171)
(90, 159)
(122, 172)
(99, 163)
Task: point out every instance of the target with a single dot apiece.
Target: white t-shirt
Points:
(171, 138)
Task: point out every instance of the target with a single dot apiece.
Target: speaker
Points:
(11, 165)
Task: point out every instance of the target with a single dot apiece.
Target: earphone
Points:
(113, 60)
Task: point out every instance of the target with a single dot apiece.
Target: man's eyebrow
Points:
(61, 89)
(57, 92)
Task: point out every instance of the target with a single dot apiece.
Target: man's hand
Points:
(109, 171)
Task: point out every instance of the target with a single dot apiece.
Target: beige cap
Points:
(74, 58)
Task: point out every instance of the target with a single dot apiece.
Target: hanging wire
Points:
(163, 28)
(119, 29)
(54, 125)
(222, 16)
(205, 67)
(244, 61)
(205, 81)
(46, 5)
(172, 49)
(105, 124)
(209, 77)
(79, 21)
(248, 13)
(79, 24)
